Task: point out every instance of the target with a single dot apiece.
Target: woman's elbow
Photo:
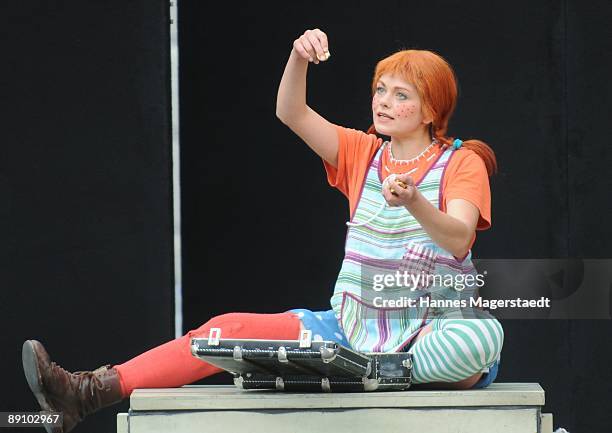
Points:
(461, 247)
(285, 116)
(280, 115)
(459, 253)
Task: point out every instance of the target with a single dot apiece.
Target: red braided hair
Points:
(435, 82)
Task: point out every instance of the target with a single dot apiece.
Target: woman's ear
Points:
(427, 116)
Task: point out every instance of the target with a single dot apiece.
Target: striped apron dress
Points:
(392, 272)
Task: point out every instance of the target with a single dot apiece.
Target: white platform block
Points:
(547, 423)
(502, 408)
(122, 423)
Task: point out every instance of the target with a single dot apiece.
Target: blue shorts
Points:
(324, 326)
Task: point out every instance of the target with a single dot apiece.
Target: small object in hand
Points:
(402, 184)
(326, 54)
(393, 192)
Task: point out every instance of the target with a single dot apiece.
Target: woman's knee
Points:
(496, 333)
(251, 325)
(482, 337)
(220, 321)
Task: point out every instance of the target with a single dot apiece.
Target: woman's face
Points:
(396, 107)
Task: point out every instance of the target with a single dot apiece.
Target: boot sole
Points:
(34, 379)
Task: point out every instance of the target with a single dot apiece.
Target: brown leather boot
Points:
(75, 394)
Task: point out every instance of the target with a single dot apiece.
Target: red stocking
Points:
(172, 364)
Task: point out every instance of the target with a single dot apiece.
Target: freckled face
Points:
(396, 107)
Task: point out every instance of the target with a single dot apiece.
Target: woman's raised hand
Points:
(312, 46)
(291, 108)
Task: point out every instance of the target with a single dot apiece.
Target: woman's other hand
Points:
(399, 190)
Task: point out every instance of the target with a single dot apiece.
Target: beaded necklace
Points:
(411, 160)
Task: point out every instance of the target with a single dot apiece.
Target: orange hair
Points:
(435, 82)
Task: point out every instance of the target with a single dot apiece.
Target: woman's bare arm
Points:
(453, 230)
(291, 108)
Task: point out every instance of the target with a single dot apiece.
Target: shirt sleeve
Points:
(467, 178)
(355, 150)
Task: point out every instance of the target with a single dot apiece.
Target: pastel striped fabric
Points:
(392, 241)
(457, 348)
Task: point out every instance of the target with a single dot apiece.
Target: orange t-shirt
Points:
(465, 177)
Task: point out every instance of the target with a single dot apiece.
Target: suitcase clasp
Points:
(280, 384)
(282, 354)
(214, 336)
(407, 363)
(305, 339)
(325, 385)
(237, 353)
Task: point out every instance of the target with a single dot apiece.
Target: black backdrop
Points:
(85, 187)
(85, 177)
(263, 232)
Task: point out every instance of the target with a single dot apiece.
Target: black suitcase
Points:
(303, 365)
